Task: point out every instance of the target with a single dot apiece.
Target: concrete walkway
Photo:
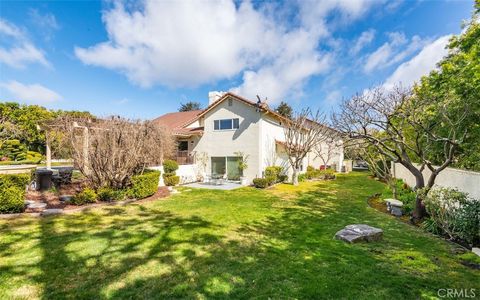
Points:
(226, 186)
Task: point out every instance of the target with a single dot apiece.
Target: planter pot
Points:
(243, 181)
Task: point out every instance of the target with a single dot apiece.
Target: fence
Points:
(465, 181)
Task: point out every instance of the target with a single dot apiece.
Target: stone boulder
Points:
(357, 233)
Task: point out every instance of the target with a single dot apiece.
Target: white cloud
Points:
(180, 43)
(30, 92)
(46, 20)
(396, 50)
(420, 65)
(365, 38)
(21, 51)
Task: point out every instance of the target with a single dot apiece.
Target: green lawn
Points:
(245, 243)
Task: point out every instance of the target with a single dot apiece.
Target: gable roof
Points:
(177, 120)
(263, 106)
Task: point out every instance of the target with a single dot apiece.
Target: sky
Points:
(141, 59)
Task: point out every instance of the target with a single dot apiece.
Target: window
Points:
(226, 124)
(183, 146)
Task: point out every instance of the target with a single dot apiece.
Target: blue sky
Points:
(142, 59)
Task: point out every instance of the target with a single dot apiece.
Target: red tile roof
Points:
(177, 120)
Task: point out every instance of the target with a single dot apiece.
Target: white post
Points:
(85, 148)
(48, 151)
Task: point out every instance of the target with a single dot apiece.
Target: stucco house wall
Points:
(227, 142)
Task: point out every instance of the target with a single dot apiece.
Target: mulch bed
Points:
(53, 201)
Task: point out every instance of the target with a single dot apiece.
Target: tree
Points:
(109, 152)
(284, 109)
(302, 133)
(327, 147)
(396, 124)
(189, 106)
(457, 83)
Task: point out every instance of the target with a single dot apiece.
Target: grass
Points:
(245, 243)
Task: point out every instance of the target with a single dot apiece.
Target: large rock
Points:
(359, 233)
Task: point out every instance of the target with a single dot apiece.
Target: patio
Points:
(227, 185)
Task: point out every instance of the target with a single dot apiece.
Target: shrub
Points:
(12, 192)
(271, 179)
(144, 185)
(455, 214)
(273, 173)
(110, 194)
(170, 166)
(282, 178)
(327, 174)
(88, 195)
(302, 177)
(310, 169)
(171, 180)
(260, 183)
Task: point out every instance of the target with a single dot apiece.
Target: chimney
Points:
(214, 96)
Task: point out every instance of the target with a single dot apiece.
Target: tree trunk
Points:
(419, 211)
(295, 176)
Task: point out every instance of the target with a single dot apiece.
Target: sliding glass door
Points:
(228, 165)
(233, 172)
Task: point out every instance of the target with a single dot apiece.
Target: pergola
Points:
(49, 126)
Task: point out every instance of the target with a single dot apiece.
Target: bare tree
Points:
(327, 147)
(302, 133)
(109, 152)
(395, 124)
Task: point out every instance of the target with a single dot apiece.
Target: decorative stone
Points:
(27, 202)
(359, 233)
(52, 211)
(394, 206)
(64, 198)
(476, 251)
(37, 205)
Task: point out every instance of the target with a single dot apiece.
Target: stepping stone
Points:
(27, 202)
(37, 205)
(64, 198)
(52, 211)
(356, 233)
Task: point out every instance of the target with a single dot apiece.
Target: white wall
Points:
(186, 173)
(465, 181)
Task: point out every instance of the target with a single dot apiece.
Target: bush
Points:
(88, 195)
(144, 185)
(282, 178)
(302, 177)
(110, 194)
(170, 166)
(273, 174)
(271, 179)
(171, 180)
(260, 183)
(455, 214)
(327, 174)
(12, 192)
(404, 194)
(310, 169)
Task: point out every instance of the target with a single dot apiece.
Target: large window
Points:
(227, 165)
(226, 124)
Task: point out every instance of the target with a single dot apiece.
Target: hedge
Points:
(170, 166)
(12, 192)
(88, 195)
(260, 183)
(144, 185)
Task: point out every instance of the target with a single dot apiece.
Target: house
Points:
(214, 140)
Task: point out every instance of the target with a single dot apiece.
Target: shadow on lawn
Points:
(292, 255)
